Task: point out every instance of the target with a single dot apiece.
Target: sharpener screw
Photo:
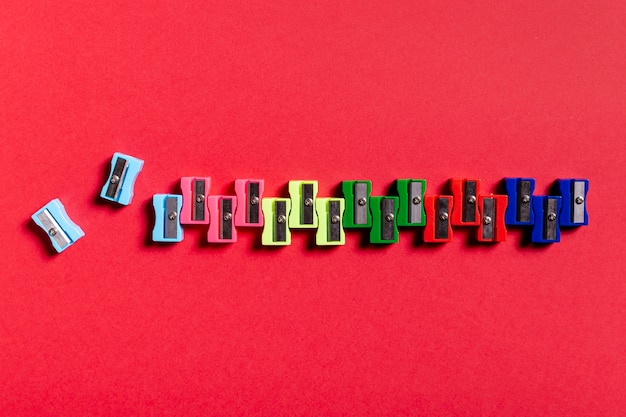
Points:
(199, 198)
(551, 217)
(487, 220)
(52, 231)
(172, 215)
(227, 217)
(281, 219)
(308, 202)
(417, 200)
(525, 199)
(471, 199)
(362, 201)
(580, 200)
(443, 216)
(335, 219)
(115, 179)
(254, 200)
(389, 217)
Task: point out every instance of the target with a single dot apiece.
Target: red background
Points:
(287, 90)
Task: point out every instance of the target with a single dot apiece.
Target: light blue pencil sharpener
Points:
(61, 230)
(167, 218)
(121, 182)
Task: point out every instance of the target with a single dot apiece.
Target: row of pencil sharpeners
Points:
(383, 215)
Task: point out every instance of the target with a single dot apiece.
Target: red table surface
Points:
(321, 90)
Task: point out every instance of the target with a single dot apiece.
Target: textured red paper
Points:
(309, 90)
